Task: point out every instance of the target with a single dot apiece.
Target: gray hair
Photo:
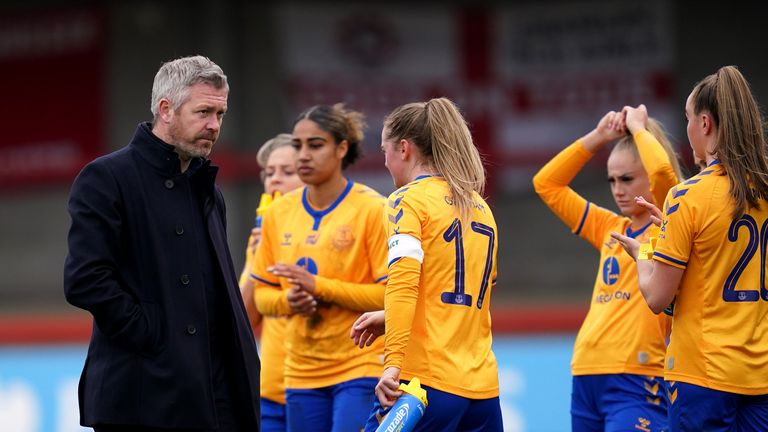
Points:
(174, 78)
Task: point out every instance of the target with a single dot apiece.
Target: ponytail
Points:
(439, 131)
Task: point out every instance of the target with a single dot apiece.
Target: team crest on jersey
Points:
(286, 239)
(343, 238)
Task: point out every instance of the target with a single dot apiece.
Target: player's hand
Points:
(367, 328)
(611, 127)
(656, 214)
(298, 276)
(629, 244)
(253, 240)
(387, 389)
(636, 118)
(301, 302)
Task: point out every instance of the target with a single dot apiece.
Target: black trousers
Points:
(225, 412)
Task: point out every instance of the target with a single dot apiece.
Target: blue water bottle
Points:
(408, 409)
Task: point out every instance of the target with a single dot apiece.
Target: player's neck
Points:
(421, 170)
(323, 195)
(639, 221)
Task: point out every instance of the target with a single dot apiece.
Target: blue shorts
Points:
(695, 408)
(338, 408)
(272, 416)
(618, 402)
(448, 412)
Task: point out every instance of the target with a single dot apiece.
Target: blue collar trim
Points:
(634, 234)
(317, 215)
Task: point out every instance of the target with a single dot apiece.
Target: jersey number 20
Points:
(454, 234)
(730, 294)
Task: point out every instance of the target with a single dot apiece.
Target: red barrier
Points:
(41, 329)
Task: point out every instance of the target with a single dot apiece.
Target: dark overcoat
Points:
(134, 264)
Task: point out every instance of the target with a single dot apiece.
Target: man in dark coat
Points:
(171, 346)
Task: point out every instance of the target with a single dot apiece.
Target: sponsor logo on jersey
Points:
(608, 297)
(610, 270)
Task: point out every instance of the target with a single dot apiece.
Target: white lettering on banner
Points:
(584, 36)
(48, 156)
(63, 34)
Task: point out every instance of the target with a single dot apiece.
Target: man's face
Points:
(196, 124)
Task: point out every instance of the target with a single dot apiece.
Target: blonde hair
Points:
(740, 144)
(266, 149)
(439, 131)
(657, 130)
(343, 124)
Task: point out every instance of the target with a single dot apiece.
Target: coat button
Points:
(184, 279)
(179, 229)
(191, 329)
(169, 184)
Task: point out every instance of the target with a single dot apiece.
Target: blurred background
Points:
(529, 76)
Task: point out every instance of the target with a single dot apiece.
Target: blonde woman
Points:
(618, 356)
(277, 159)
(442, 268)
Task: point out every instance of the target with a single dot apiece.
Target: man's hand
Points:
(367, 328)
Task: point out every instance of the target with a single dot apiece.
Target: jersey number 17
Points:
(454, 234)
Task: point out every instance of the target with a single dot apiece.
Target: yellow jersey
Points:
(271, 347)
(344, 246)
(620, 334)
(720, 325)
(437, 305)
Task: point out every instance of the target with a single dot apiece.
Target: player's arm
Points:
(404, 258)
(247, 284)
(363, 297)
(658, 283)
(659, 275)
(654, 158)
(268, 295)
(354, 296)
(552, 182)
(91, 272)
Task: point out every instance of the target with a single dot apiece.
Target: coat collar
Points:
(163, 157)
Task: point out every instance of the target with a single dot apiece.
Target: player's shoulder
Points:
(709, 186)
(701, 186)
(418, 189)
(288, 201)
(364, 195)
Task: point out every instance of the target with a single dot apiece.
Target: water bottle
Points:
(264, 203)
(408, 409)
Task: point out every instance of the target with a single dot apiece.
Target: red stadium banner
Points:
(76, 327)
(52, 86)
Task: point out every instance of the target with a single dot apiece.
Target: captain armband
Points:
(404, 245)
(646, 249)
